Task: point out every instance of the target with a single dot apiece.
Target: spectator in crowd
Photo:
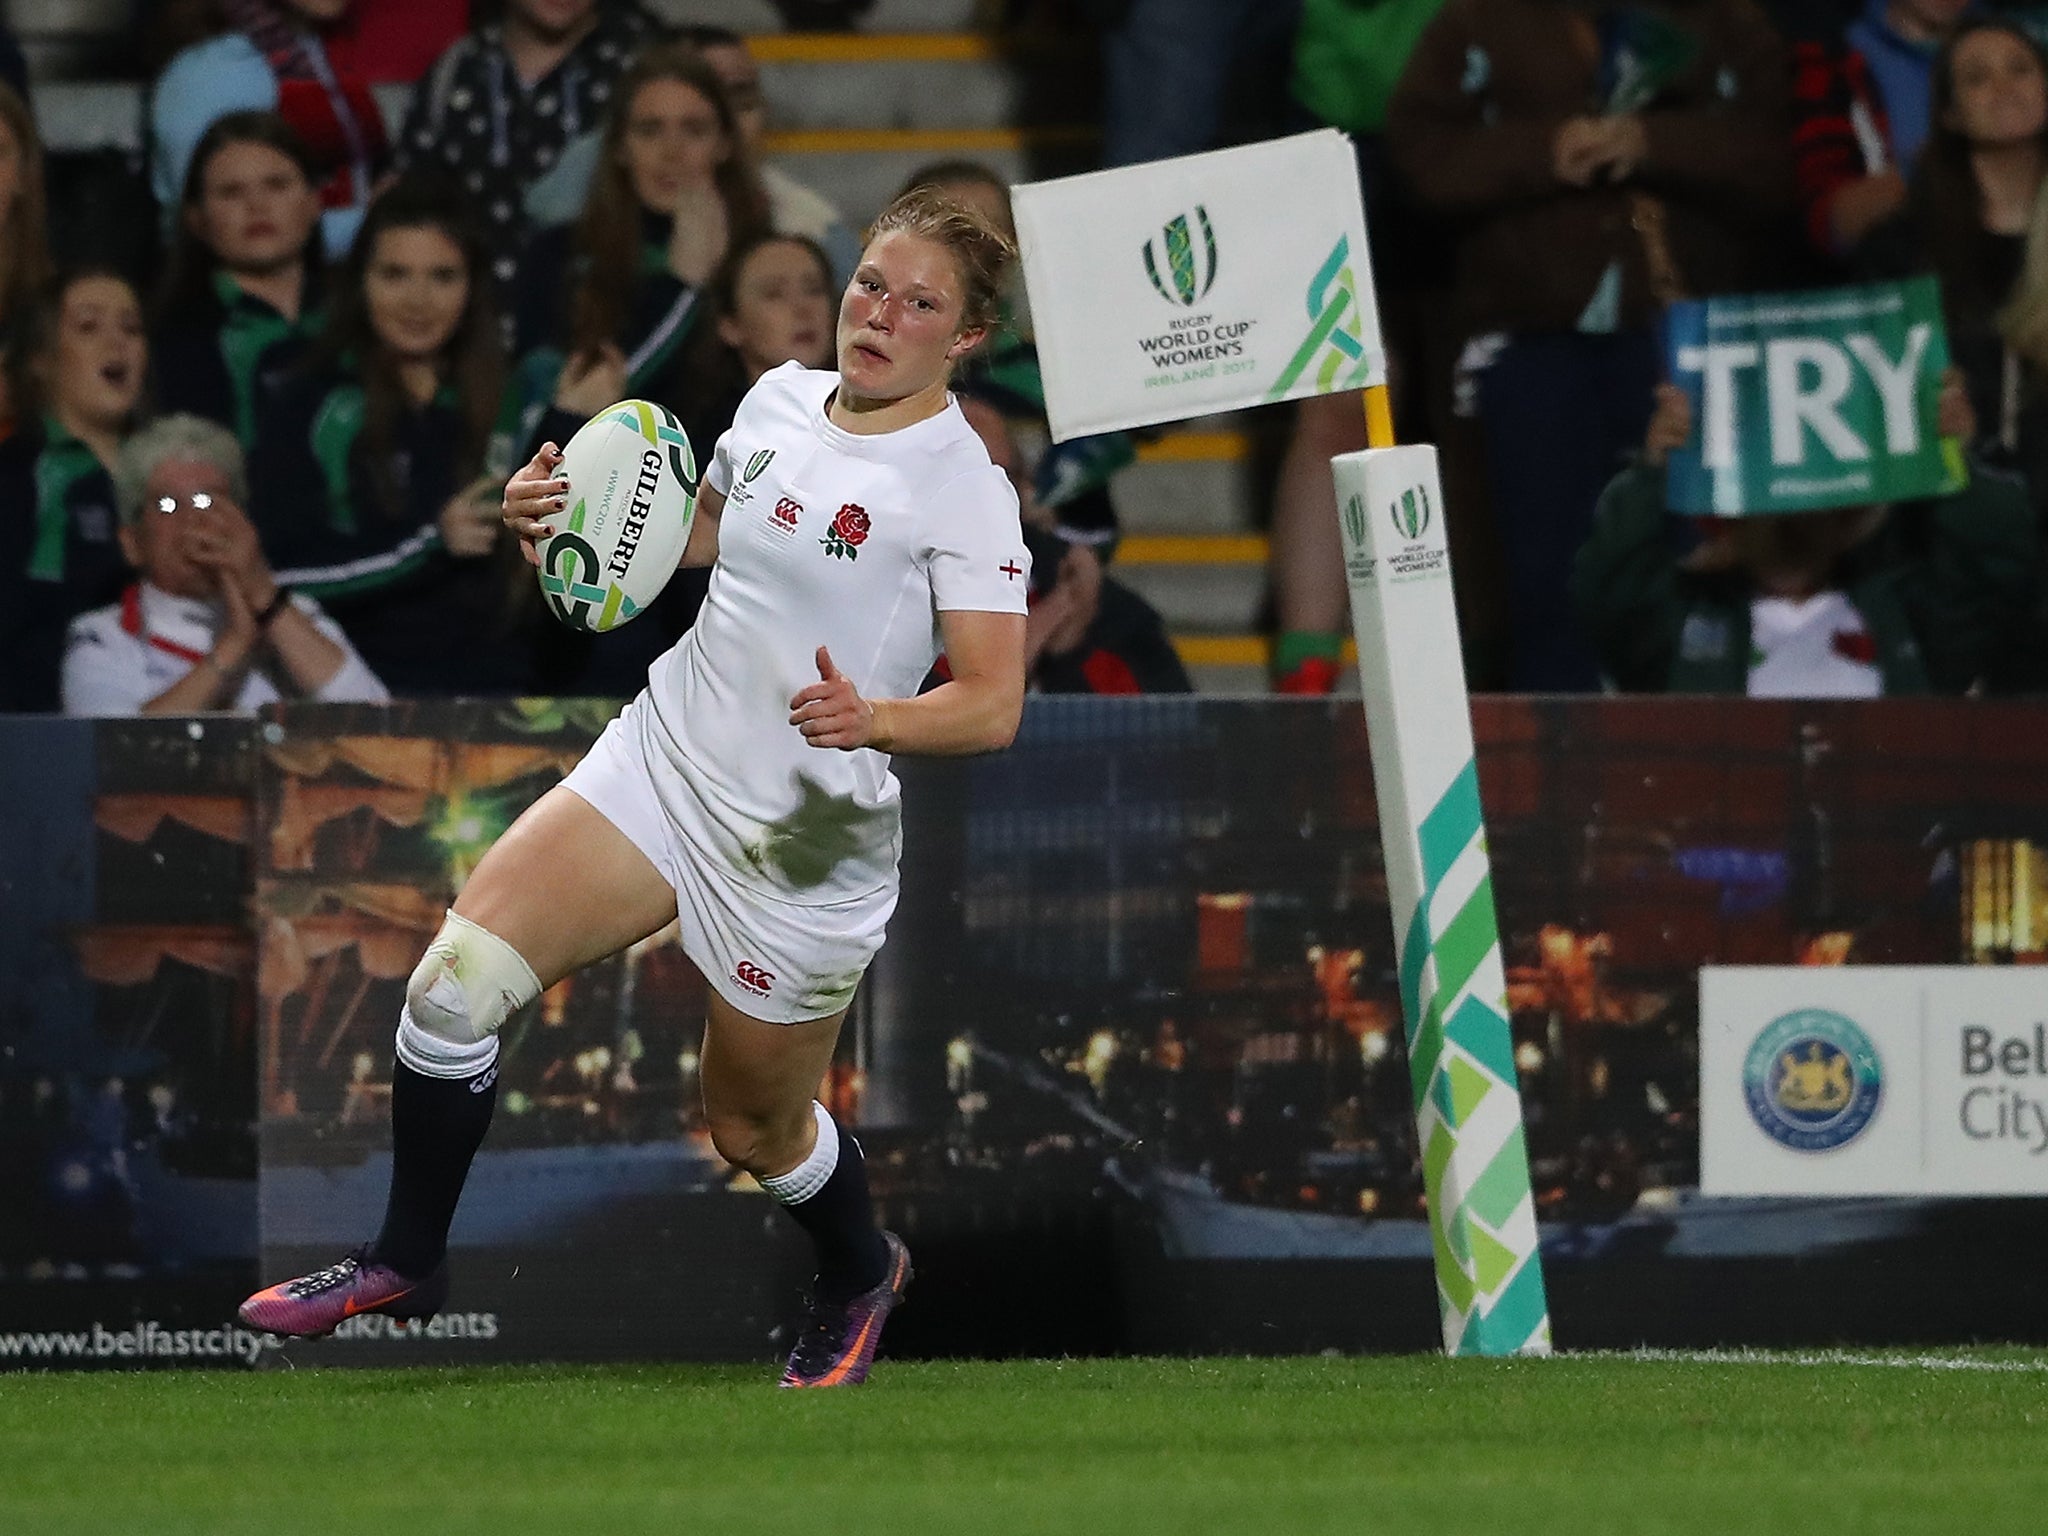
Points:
(1347, 60)
(2020, 440)
(272, 56)
(1169, 67)
(1070, 479)
(1084, 632)
(382, 41)
(24, 252)
(607, 306)
(2018, 435)
(1850, 603)
(367, 478)
(397, 41)
(1972, 200)
(1862, 111)
(793, 208)
(498, 108)
(206, 626)
(240, 301)
(770, 302)
(77, 382)
(1587, 195)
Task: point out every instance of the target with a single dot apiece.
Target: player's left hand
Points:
(831, 712)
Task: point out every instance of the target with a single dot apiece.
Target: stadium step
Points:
(1201, 480)
(752, 16)
(77, 115)
(825, 80)
(61, 37)
(1240, 663)
(1198, 582)
(861, 169)
(1187, 508)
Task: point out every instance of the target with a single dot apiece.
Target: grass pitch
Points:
(1583, 1445)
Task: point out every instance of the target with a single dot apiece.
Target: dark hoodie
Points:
(1472, 126)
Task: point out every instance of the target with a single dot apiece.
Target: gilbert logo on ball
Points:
(632, 500)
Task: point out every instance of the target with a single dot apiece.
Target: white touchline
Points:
(1809, 1358)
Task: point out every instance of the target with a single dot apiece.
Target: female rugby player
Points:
(857, 527)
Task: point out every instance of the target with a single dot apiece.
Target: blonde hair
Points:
(983, 251)
(2023, 322)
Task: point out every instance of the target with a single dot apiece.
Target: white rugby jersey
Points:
(118, 658)
(856, 543)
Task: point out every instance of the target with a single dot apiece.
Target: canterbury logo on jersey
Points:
(784, 518)
(753, 978)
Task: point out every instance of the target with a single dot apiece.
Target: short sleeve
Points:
(718, 473)
(101, 675)
(977, 556)
(353, 681)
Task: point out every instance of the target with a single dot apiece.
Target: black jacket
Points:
(364, 538)
(57, 526)
(221, 361)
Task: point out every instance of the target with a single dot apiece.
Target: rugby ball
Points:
(632, 498)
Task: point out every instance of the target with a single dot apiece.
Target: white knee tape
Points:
(431, 1056)
(465, 987)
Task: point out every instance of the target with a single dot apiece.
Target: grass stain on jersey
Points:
(812, 840)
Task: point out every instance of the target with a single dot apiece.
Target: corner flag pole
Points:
(1468, 1107)
(1181, 288)
(1379, 417)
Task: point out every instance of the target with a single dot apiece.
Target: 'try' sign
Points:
(1803, 401)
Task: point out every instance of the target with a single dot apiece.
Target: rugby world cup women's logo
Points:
(1812, 1080)
(755, 465)
(1191, 273)
(1354, 521)
(1411, 512)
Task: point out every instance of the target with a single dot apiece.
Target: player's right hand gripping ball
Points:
(632, 498)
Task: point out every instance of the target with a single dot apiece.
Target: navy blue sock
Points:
(437, 1123)
(839, 1216)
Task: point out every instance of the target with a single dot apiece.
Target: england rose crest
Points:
(848, 532)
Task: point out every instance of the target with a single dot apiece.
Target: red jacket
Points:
(1840, 135)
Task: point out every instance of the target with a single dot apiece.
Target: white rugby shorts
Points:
(778, 961)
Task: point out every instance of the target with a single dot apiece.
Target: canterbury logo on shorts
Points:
(753, 978)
